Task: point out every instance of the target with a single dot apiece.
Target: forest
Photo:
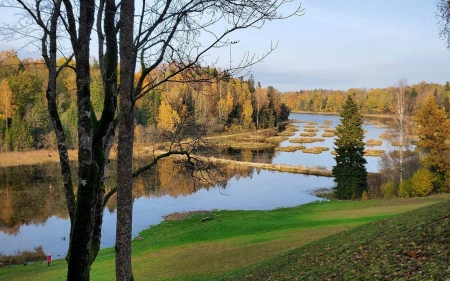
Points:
(226, 105)
(370, 101)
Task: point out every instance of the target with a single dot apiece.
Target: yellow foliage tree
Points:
(247, 113)
(167, 117)
(422, 183)
(433, 131)
(7, 108)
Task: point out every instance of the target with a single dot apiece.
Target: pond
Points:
(33, 212)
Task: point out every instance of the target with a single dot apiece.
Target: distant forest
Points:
(229, 104)
(370, 101)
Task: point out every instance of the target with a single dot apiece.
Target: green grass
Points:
(411, 246)
(191, 250)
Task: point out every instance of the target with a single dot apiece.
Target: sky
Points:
(339, 44)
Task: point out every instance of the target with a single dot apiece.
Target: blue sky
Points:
(343, 44)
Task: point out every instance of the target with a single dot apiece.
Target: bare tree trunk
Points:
(83, 225)
(401, 112)
(125, 144)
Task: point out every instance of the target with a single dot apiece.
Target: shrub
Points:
(404, 190)
(422, 183)
(389, 190)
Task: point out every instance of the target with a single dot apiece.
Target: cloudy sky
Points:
(342, 44)
(354, 44)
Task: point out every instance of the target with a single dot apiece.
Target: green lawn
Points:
(191, 250)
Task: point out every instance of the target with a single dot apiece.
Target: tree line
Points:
(369, 101)
(228, 104)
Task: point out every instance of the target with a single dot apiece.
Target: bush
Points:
(389, 190)
(422, 183)
(404, 189)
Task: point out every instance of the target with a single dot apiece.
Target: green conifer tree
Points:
(350, 174)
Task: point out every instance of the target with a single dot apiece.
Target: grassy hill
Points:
(356, 244)
(411, 246)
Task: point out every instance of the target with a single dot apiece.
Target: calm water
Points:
(33, 211)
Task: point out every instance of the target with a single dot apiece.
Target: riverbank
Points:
(194, 250)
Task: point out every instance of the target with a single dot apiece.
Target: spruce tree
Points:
(350, 174)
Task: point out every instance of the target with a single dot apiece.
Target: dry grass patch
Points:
(373, 142)
(374, 152)
(327, 122)
(329, 130)
(312, 123)
(286, 133)
(311, 130)
(309, 126)
(306, 140)
(291, 128)
(276, 139)
(290, 148)
(399, 143)
(324, 126)
(315, 150)
(33, 157)
(308, 134)
(386, 136)
(328, 135)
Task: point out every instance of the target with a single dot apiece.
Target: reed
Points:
(374, 152)
(306, 140)
(386, 136)
(373, 142)
(315, 150)
(328, 135)
(308, 134)
(276, 139)
(286, 133)
(290, 148)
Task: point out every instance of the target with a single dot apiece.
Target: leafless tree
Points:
(401, 112)
(173, 37)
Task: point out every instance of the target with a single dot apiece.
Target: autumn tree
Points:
(433, 129)
(350, 174)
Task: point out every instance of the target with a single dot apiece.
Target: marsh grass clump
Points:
(291, 128)
(309, 126)
(286, 134)
(374, 152)
(290, 148)
(308, 134)
(373, 142)
(327, 122)
(315, 150)
(328, 135)
(324, 126)
(276, 139)
(306, 140)
(312, 130)
(312, 123)
(399, 143)
(386, 136)
(329, 130)
(23, 257)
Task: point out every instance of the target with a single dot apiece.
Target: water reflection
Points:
(33, 211)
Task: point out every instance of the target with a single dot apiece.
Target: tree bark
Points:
(125, 144)
(79, 256)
